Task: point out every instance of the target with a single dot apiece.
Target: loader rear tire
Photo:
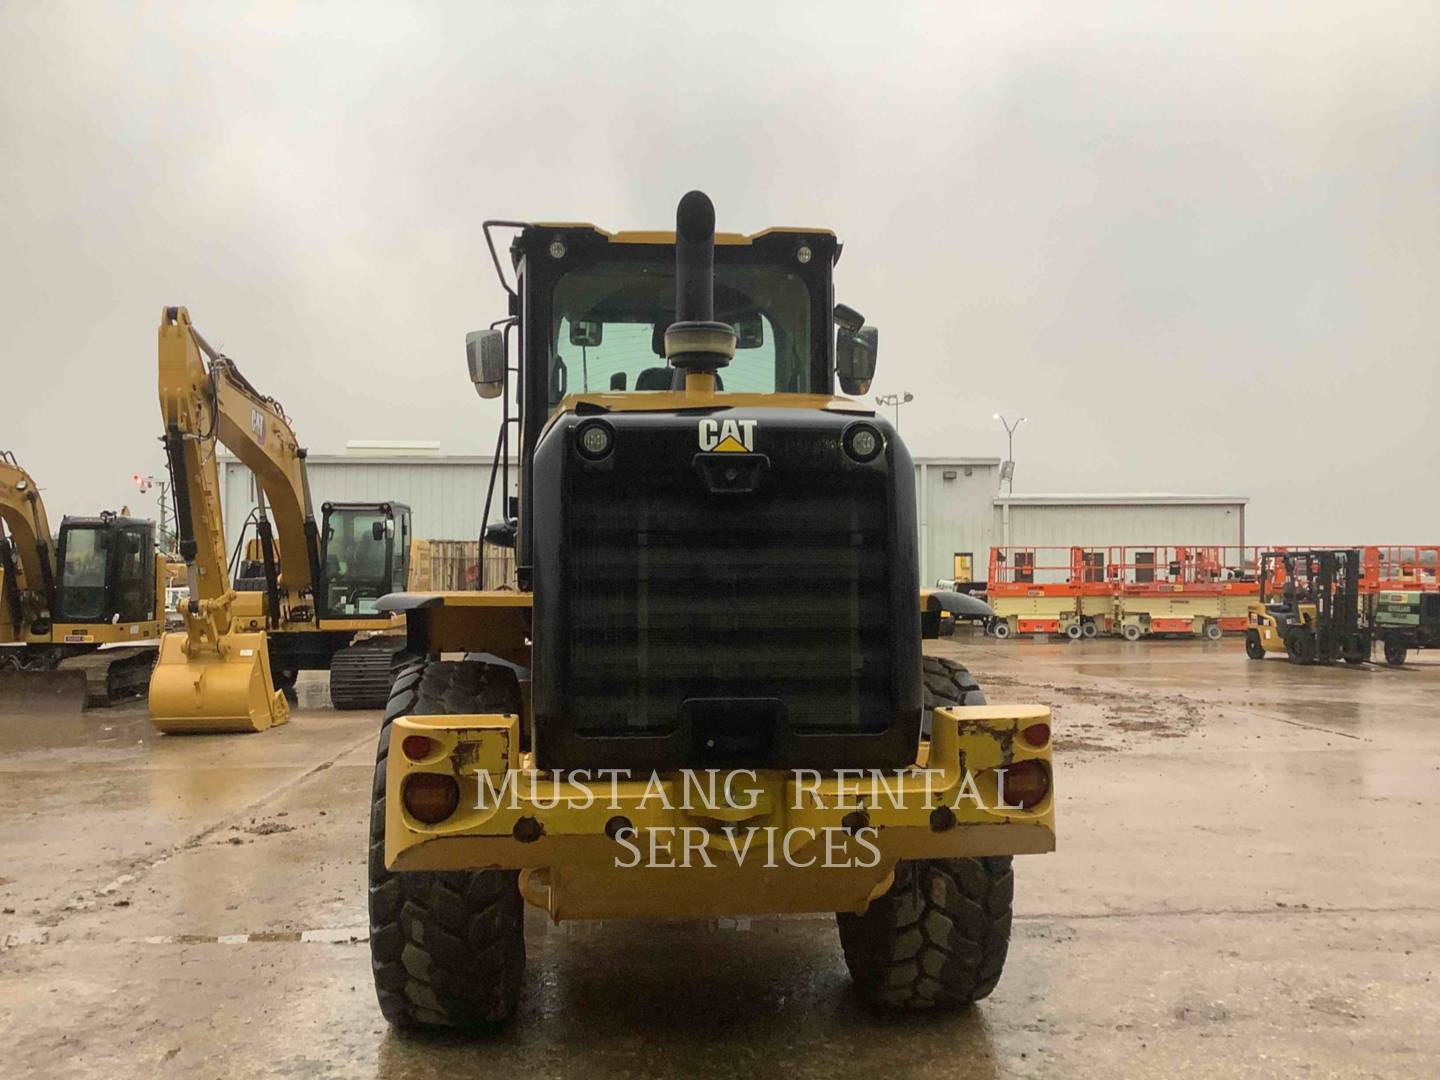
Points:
(946, 683)
(447, 949)
(939, 936)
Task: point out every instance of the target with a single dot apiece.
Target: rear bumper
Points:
(716, 842)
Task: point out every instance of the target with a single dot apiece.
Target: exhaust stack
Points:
(695, 343)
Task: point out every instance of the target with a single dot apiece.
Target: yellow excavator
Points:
(316, 605)
(81, 613)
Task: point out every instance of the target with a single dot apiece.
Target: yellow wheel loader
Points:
(708, 695)
(315, 607)
(80, 614)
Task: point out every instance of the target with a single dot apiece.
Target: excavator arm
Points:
(27, 592)
(215, 676)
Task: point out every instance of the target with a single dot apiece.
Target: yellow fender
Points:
(225, 689)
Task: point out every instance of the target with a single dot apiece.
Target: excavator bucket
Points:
(226, 691)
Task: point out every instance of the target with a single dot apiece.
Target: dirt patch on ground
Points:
(264, 828)
(1071, 745)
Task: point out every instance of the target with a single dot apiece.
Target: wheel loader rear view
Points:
(708, 696)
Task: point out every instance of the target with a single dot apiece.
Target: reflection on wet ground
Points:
(1245, 884)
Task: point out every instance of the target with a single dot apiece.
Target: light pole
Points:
(145, 483)
(897, 400)
(1007, 471)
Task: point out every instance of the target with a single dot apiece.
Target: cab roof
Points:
(654, 236)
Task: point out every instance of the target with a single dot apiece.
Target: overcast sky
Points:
(1197, 245)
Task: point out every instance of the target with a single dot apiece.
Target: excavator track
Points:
(361, 673)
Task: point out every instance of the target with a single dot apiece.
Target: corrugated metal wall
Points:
(446, 495)
(955, 515)
(1102, 525)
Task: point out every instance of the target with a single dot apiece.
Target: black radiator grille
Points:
(675, 593)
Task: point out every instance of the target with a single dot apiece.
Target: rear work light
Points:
(1024, 784)
(430, 797)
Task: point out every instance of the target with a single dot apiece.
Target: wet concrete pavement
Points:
(1248, 883)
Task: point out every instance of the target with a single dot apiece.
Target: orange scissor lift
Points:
(1400, 567)
(1194, 591)
(1049, 590)
(1154, 589)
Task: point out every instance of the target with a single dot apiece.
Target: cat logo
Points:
(727, 436)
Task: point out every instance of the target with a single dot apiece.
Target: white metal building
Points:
(956, 516)
(960, 514)
(445, 492)
(1105, 520)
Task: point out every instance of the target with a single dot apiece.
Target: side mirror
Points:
(847, 317)
(749, 330)
(855, 352)
(586, 333)
(485, 353)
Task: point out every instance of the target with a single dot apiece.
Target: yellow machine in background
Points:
(1309, 608)
(81, 613)
(315, 607)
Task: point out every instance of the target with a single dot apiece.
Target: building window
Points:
(1144, 567)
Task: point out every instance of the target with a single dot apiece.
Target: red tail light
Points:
(416, 747)
(1025, 784)
(1036, 735)
(430, 797)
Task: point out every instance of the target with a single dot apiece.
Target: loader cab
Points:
(721, 551)
(106, 571)
(591, 309)
(364, 554)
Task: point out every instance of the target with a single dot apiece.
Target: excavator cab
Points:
(106, 571)
(364, 554)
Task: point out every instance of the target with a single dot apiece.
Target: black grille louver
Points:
(675, 594)
(670, 615)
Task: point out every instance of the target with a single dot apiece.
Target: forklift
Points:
(1309, 608)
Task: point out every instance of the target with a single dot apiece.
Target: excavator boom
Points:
(317, 604)
(215, 674)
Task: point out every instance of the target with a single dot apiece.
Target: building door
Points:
(964, 569)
